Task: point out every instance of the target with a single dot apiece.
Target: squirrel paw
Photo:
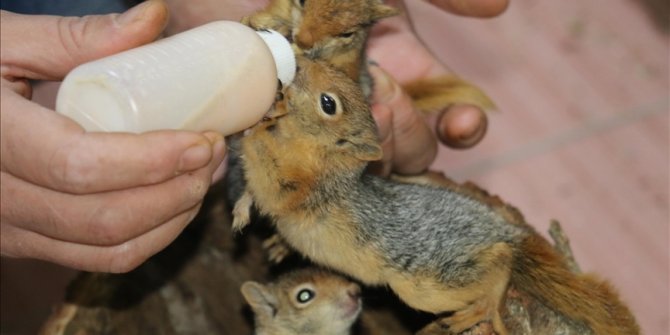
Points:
(454, 325)
(475, 315)
(242, 210)
(437, 327)
(264, 21)
(483, 328)
(277, 248)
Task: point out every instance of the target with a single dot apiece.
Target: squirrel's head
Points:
(321, 118)
(307, 301)
(336, 25)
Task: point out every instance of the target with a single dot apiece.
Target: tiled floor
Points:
(581, 136)
(582, 132)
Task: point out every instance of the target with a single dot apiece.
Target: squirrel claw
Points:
(465, 322)
(242, 210)
(277, 248)
(442, 327)
(435, 328)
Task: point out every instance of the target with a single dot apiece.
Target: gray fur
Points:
(419, 228)
(234, 177)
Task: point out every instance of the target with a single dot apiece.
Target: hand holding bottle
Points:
(92, 201)
(410, 145)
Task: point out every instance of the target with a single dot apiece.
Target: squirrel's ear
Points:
(382, 11)
(363, 145)
(261, 300)
(368, 151)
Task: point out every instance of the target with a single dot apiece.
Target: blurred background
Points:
(580, 136)
(581, 132)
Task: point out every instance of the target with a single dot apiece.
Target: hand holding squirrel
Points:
(461, 125)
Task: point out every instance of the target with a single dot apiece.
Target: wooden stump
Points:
(192, 287)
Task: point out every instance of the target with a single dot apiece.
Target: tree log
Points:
(192, 287)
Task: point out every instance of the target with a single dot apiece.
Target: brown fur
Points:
(433, 94)
(319, 154)
(319, 31)
(324, 23)
(542, 272)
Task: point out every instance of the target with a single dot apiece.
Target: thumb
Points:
(414, 144)
(48, 47)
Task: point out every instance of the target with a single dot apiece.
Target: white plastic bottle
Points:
(221, 76)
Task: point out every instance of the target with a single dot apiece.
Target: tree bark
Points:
(192, 287)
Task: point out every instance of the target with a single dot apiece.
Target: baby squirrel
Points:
(440, 249)
(308, 301)
(336, 31)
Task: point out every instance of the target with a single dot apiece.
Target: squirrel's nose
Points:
(305, 39)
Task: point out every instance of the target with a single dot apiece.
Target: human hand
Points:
(409, 144)
(90, 201)
(189, 14)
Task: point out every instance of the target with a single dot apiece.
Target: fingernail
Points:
(384, 88)
(462, 126)
(218, 144)
(195, 157)
(134, 14)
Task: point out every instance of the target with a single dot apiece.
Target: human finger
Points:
(383, 116)
(102, 219)
(219, 173)
(17, 242)
(48, 47)
(461, 126)
(414, 144)
(49, 149)
(186, 14)
(19, 85)
(475, 8)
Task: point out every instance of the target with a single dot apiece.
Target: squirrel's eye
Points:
(328, 104)
(347, 34)
(305, 295)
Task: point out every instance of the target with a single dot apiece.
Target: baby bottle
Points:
(221, 76)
